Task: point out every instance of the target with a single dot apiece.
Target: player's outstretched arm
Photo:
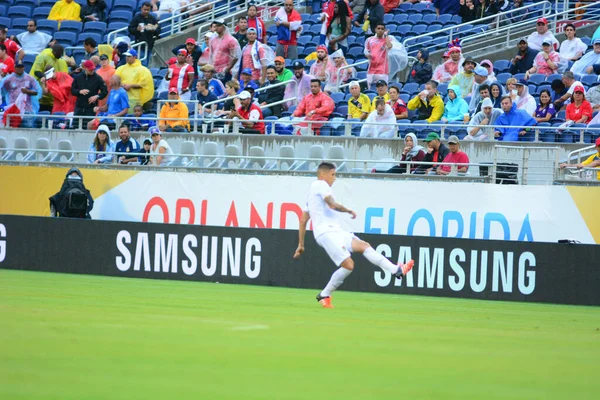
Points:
(301, 233)
(338, 207)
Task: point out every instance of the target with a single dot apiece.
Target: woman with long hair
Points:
(339, 28)
(580, 110)
(496, 94)
(545, 110)
(101, 146)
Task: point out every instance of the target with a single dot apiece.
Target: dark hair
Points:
(125, 125)
(432, 83)
(2, 47)
(271, 67)
(379, 101)
(342, 14)
(146, 4)
(203, 82)
(90, 42)
(326, 166)
(394, 87)
(483, 86)
(315, 80)
(549, 95)
(252, 5)
(570, 25)
(557, 85)
(97, 142)
(506, 96)
(34, 22)
(380, 24)
(243, 17)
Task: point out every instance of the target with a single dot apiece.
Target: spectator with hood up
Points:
(421, 71)
(456, 108)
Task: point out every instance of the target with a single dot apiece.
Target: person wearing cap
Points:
(381, 87)
(181, 75)
(376, 51)
(272, 94)
(13, 49)
(214, 85)
(101, 147)
(542, 34)
(52, 58)
(592, 161)
(452, 66)
(299, 85)
(359, 105)
(250, 115)
(487, 116)
(255, 22)
(572, 48)
(160, 151)
(255, 57)
(174, 114)
(144, 26)
(194, 53)
(59, 84)
(421, 71)
(116, 106)
(65, 10)
(283, 74)
(546, 62)
(246, 80)
(456, 108)
(224, 53)
(579, 111)
(289, 25)
(514, 120)
(436, 153)
(466, 77)
(136, 80)
(7, 64)
(428, 103)
(480, 77)
(319, 67)
(524, 58)
(33, 41)
(525, 101)
(456, 155)
(17, 84)
(205, 95)
(106, 71)
(381, 122)
(240, 31)
(88, 87)
(590, 62)
(316, 106)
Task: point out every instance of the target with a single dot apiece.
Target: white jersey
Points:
(324, 218)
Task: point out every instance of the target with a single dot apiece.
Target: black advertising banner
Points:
(480, 269)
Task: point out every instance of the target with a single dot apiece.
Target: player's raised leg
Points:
(398, 270)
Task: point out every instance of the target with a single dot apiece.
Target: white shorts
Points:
(337, 244)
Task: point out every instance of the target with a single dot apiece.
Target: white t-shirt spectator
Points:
(154, 151)
(34, 43)
(535, 40)
(570, 48)
(324, 219)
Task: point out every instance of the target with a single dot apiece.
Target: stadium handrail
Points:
(338, 73)
(579, 152)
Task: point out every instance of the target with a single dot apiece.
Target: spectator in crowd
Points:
(17, 84)
(203, 60)
(289, 25)
(224, 51)
(480, 77)
(496, 92)
(232, 88)
(127, 149)
(59, 84)
(214, 85)
(456, 155)
(428, 103)
(357, 6)
(174, 114)
(483, 93)
(382, 93)
(339, 27)
(33, 41)
(359, 105)
(93, 11)
(299, 85)
(100, 149)
(315, 106)
(246, 80)
(204, 96)
(255, 56)
(116, 106)
(546, 62)
(579, 111)
(436, 153)
(590, 62)
(337, 61)
(572, 48)
(446, 7)
(398, 106)
(487, 116)
(119, 58)
(512, 117)
(536, 39)
(511, 88)
(145, 152)
(412, 152)
(257, 23)
(492, 7)
(524, 58)
(525, 101)
(452, 66)
(519, 13)
(593, 96)
(381, 122)
(319, 67)
(545, 111)
(194, 52)
(88, 87)
(272, 94)
(489, 66)
(283, 74)
(12, 48)
(592, 161)
(106, 71)
(91, 48)
(140, 121)
(7, 64)
(65, 10)
(136, 80)
(466, 78)
(371, 16)
(160, 151)
(240, 31)
(144, 27)
(376, 50)
(171, 7)
(181, 75)
(421, 71)
(48, 58)
(467, 11)
(250, 115)
(456, 108)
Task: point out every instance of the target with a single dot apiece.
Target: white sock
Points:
(336, 281)
(377, 259)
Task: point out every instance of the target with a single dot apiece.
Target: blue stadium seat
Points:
(405, 7)
(71, 26)
(502, 65)
(47, 3)
(19, 12)
(6, 21)
(113, 26)
(434, 28)
(342, 109)
(129, 5)
(337, 97)
(519, 76)
(2, 9)
(503, 77)
(28, 3)
(410, 88)
(387, 18)
(400, 18)
(403, 29)
(444, 18)
(536, 79)
(552, 77)
(457, 19)
(423, 8)
(123, 16)
(84, 35)
(95, 27)
(589, 80)
(20, 23)
(414, 18)
(419, 29)
(47, 25)
(356, 52)
(315, 18)
(66, 39)
(430, 18)
(40, 13)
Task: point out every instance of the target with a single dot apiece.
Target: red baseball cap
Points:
(89, 65)
(579, 89)
(173, 89)
(598, 142)
(190, 40)
(542, 20)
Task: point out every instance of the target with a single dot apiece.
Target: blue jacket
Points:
(513, 118)
(455, 110)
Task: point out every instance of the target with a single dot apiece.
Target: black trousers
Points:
(85, 112)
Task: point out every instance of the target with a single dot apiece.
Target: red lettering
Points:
(203, 208)
(256, 221)
(156, 201)
(185, 203)
(288, 207)
(232, 219)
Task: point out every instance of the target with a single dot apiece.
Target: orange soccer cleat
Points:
(404, 269)
(325, 301)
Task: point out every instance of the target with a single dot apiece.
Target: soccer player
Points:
(323, 209)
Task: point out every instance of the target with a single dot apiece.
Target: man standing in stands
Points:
(250, 114)
(240, 31)
(106, 71)
(372, 13)
(33, 41)
(271, 95)
(12, 48)
(136, 80)
(359, 105)
(174, 114)
(299, 85)
(254, 57)
(523, 61)
(88, 87)
(283, 74)
(568, 79)
(224, 51)
(144, 26)
(289, 25)
(512, 117)
(429, 104)
(319, 67)
(436, 153)
(193, 50)
(49, 58)
(316, 106)
(91, 48)
(204, 96)
(376, 49)
(20, 83)
(181, 75)
(59, 84)
(535, 40)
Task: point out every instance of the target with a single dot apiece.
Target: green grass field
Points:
(90, 337)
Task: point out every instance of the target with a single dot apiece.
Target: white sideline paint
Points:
(250, 327)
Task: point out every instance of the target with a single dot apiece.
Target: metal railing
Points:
(338, 73)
